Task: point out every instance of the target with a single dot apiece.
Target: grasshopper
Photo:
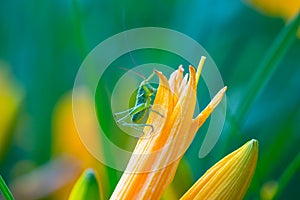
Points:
(141, 108)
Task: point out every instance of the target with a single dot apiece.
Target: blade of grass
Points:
(287, 175)
(268, 65)
(5, 190)
(264, 72)
(78, 28)
(277, 147)
(81, 42)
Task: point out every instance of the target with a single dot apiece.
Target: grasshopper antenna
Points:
(138, 74)
(126, 40)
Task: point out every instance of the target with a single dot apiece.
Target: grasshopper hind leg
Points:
(137, 126)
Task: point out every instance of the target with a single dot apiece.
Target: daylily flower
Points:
(277, 8)
(70, 158)
(11, 96)
(158, 152)
(284, 9)
(229, 178)
(66, 141)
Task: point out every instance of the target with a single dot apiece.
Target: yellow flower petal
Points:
(157, 154)
(229, 178)
(66, 140)
(11, 96)
(284, 9)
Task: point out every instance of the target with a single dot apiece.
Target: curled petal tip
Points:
(222, 92)
(157, 72)
(253, 143)
(180, 68)
(219, 96)
(200, 119)
(162, 78)
(192, 78)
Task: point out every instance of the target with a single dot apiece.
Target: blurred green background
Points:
(42, 44)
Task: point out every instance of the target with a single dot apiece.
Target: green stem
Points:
(268, 65)
(78, 28)
(5, 190)
(288, 175)
(263, 73)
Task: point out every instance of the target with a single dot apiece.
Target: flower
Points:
(229, 178)
(284, 9)
(11, 96)
(158, 152)
(67, 143)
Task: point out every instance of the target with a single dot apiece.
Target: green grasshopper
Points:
(142, 106)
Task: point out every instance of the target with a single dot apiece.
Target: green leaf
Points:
(86, 187)
(182, 181)
(288, 174)
(269, 64)
(5, 190)
(263, 73)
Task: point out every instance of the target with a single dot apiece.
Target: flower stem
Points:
(265, 70)
(287, 175)
(5, 190)
(77, 15)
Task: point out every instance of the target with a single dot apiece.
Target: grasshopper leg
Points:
(138, 125)
(121, 119)
(123, 112)
(156, 112)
